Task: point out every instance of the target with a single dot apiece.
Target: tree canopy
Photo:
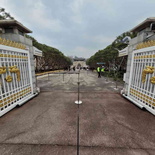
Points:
(4, 15)
(109, 55)
(52, 57)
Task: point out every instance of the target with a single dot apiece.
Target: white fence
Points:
(16, 85)
(141, 88)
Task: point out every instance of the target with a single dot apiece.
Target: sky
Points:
(79, 27)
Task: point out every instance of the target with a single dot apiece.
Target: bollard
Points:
(78, 115)
(78, 101)
(78, 130)
(78, 76)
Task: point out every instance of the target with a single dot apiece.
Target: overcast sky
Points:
(79, 27)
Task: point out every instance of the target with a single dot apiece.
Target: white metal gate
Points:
(15, 78)
(142, 78)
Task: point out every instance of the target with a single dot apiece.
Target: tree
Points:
(109, 55)
(52, 57)
(4, 15)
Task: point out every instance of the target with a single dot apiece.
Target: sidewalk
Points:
(47, 125)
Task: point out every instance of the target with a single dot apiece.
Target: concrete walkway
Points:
(47, 125)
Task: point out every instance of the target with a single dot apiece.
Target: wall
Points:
(17, 38)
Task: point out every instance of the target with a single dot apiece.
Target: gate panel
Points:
(141, 88)
(15, 78)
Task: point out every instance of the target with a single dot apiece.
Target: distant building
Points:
(79, 63)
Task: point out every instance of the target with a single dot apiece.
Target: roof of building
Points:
(37, 52)
(11, 22)
(143, 25)
(79, 59)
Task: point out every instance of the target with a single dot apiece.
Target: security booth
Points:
(17, 75)
(139, 78)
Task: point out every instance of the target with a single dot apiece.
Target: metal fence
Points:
(142, 78)
(16, 85)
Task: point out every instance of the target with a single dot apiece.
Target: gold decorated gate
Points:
(15, 77)
(141, 88)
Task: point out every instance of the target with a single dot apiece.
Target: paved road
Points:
(47, 125)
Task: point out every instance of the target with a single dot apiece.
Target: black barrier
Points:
(77, 102)
(57, 73)
(78, 115)
(78, 130)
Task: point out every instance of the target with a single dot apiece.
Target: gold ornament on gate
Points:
(147, 70)
(152, 80)
(8, 78)
(145, 44)
(14, 69)
(2, 70)
(12, 43)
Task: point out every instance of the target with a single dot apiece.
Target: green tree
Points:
(52, 57)
(4, 15)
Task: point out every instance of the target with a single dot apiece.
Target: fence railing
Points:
(15, 78)
(141, 84)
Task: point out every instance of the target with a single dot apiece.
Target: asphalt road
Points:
(47, 124)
